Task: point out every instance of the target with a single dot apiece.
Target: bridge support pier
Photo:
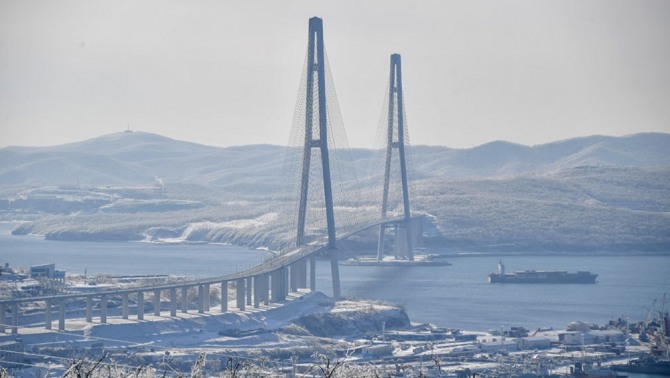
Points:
(249, 288)
(89, 309)
(266, 289)
(299, 275)
(103, 309)
(293, 272)
(287, 284)
(278, 283)
(380, 242)
(417, 231)
(224, 296)
(140, 305)
(15, 318)
(207, 297)
(61, 315)
(312, 273)
(257, 291)
(335, 273)
(302, 274)
(173, 302)
(3, 316)
(240, 293)
(395, 139)
(47, 314)
(184, 299)
(124, 305)
(157, 303)
(201, 299)
(401, 242)
(315, 94)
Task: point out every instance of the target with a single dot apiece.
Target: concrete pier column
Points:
(140, 305)
(61, 315)
(257, 292)
(417, 232)
(312, 272)
(266, 289)
(173, 302)
(224, 296)
(287, 283)
(240, 293)
(302, 277)
(249, 287)
(47, 314)
(157, 303)
(401, 242)
(335, 273)
(380, 242)
(282, 284)
(3, 316)
(201, 299)
(273, 286)
(15, 318)
(396, 247)
(124, 305)
(103, 309)
(293, 275)
(207, 297)
(278, 278)
(184, 299)
(89, 309)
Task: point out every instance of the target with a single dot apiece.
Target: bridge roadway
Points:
(282, 273)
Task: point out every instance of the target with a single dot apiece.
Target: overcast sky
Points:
(227, 72)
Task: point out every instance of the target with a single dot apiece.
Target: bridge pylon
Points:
(316, 112)
(395, 141)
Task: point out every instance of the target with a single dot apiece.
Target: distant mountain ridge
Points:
(133, 158)
(594, 193)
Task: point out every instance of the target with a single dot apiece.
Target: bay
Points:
(456, 296)
(459, 295)
(127, 258)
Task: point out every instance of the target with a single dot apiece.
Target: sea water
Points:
(455, 296)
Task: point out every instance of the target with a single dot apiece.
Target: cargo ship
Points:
(541, 276)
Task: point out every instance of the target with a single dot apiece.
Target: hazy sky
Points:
(227, 72)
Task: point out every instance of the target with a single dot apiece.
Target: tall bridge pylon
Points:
(395, 141)
(316, 111)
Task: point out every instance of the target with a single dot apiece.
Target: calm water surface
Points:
(450, 296)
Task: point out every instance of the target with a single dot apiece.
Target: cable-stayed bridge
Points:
(327, 192)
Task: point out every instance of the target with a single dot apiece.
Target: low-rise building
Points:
(47, 271)
(532, 343)
(576, 338)
(498, 346)
(377, 350)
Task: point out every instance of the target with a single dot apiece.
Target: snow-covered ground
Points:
(271, 332)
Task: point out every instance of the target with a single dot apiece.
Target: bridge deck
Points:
(281, 261)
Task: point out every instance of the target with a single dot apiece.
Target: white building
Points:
(572, 338)
(532, 343)
(493, 347)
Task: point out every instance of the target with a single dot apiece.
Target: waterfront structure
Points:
(396, 133)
